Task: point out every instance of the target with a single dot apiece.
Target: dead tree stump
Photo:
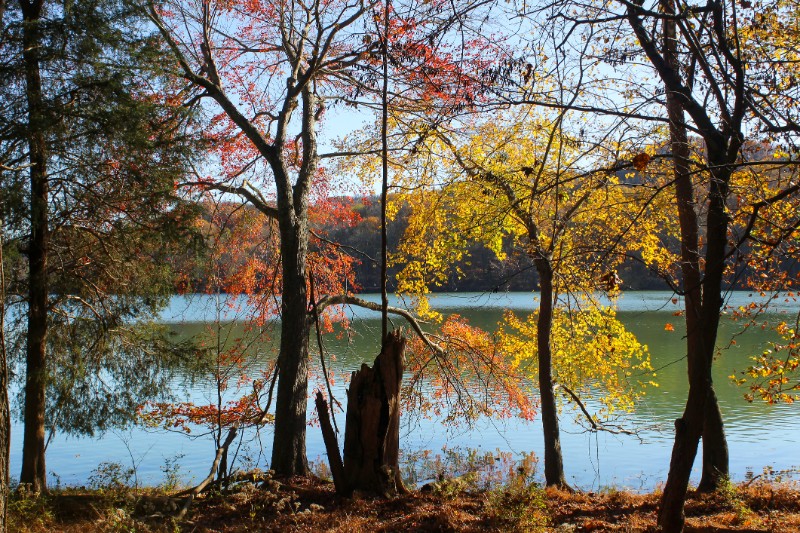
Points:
(372, 427)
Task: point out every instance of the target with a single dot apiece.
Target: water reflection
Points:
(759, 434)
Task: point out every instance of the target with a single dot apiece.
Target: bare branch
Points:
(589, 417)
(203, 484)
(347, 299)
(247, 191)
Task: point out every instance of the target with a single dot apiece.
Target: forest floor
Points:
(311, 505)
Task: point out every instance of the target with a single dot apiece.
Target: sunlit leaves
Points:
(773, 375)
(523, 182)
(593, 354)
(473, 376)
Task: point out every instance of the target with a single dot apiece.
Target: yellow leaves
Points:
(520, 182)
(780, 153)
(496, 246)
(784, 330)
(772, 376)
(424, 309)
(593, 355)
(431, 244)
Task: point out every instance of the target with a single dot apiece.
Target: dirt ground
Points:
(299, 505)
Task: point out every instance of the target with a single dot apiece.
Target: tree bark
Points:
(703, 299)
(372, 428)
(331, 446)
(289, 444)
(716, 460)
(696, 420)
(553, 459)
(5, 411)
(688, 428)
(34, 473)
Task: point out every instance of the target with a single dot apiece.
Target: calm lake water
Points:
(759, 435)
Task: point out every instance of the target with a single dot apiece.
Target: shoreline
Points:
(310, 504)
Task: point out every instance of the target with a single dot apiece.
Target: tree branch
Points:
(589, 417)
(246, 191)
(203, 484)
(347, 299)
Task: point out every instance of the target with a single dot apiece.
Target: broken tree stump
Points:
(372, 427)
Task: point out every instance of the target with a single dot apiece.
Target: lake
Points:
(759, 435)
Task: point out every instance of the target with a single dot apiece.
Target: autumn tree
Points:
(728, 73)
(525, 179)
(92, 154)
(233, 261)
(272, 71)
(720, 68)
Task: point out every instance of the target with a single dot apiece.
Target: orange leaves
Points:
(243, 255)
(182, 416)
(669, 327)
(473, 377)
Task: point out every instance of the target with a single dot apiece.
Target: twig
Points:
(315, 314)
(595, 425)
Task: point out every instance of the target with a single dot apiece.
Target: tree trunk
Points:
(34, 473)
(697, 419)
(289, 444)
(688, 428)
(715, 448)
(5, 434)
(372, 428)
(701, 416)
(5, 412)
(553, 460)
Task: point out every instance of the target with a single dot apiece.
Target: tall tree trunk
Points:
(5, 412)
(688, 428)
(384, 171)
(715, 446)
(33, 447)
(289, 444)
(553, 460)
(702, 301)
(702, 399)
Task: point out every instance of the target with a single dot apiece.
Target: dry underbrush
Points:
(311, 505)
